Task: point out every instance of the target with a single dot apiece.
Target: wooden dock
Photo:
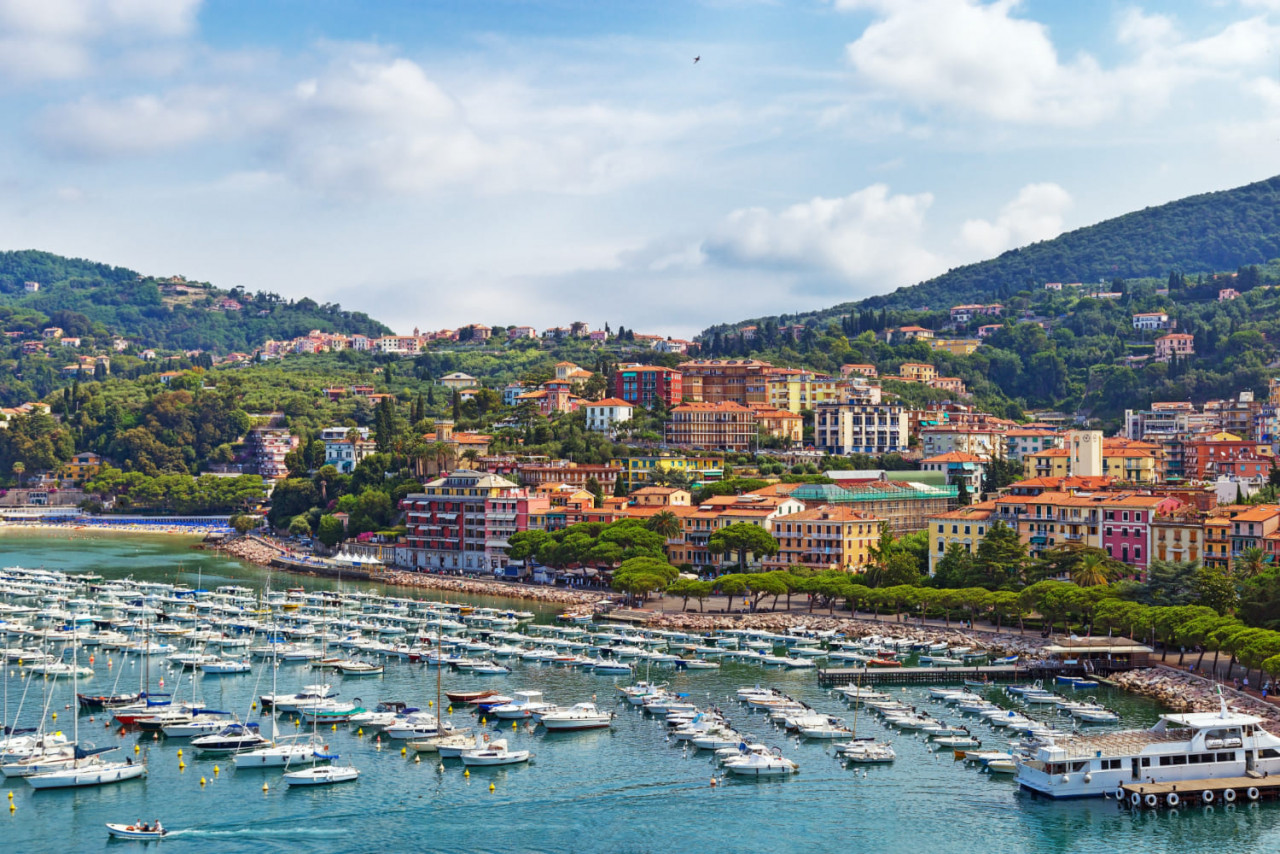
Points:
(1195, 793)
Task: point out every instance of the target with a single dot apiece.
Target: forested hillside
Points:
(1199, 234)
(92, 300)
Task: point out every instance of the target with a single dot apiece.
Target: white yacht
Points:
(1192, 746)
(580, 716)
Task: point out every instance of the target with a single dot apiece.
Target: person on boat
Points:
(157, 828)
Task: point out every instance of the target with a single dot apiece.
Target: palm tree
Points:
(1092, 570)
(471, 455)
(1251, 562)
(19, 468)
(665, 523)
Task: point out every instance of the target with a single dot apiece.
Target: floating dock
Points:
(992, 673)
(1195, 793)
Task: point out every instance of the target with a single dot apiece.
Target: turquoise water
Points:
(622, 790)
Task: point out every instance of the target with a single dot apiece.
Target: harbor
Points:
(636, 767)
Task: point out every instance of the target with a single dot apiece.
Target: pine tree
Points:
(456, 406)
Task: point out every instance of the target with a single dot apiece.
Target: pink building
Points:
(1178, 344)
(1126, 526)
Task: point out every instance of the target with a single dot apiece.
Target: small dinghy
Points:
(132, 831)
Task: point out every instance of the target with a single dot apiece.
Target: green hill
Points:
(97, 300)
(1205, 233)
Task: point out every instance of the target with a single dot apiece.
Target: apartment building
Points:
(463, 521)
(851, 427)
(833, 537)
(647, 385)
(723, 426)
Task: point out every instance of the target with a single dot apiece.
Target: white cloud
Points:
(42, 39)
(868, 237)
(136, 125)
(981, 58)
(370, 125)
(1037, 213)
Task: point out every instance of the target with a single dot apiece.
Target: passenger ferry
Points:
(1194, 746)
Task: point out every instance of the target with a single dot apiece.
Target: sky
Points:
(545, 161)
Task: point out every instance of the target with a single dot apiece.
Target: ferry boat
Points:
(1192, 746)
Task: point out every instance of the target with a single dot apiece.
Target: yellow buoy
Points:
(264, 787)
(514, 726)
(11, 796)
(11, 806)
(253, 705)
(55, 716)
(136, 748)
(430, 703)
(179, 751)
(451, 710)
(492, 787)
(403, 751)
(182, 766)
(216, 769)
(466, 773)
(360, 731)
(335, 727)
(202, 781)
(484, 720)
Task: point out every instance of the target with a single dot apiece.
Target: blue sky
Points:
(438, 163)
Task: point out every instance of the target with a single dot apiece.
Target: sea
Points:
(627, 789)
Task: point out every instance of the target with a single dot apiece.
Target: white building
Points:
(604, 416)
(987, 443)
(1151, 320)
(850, 427)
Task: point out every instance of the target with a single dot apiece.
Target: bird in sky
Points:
(696, 59)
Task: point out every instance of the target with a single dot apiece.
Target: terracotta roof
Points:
(611, 401)
(953, 457)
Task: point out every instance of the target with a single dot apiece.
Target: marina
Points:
(823, 763)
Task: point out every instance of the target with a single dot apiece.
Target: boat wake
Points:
(274, 833)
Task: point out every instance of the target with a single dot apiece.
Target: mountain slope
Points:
(97, 300)
(1209, 232)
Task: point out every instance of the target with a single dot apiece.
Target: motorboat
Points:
(831, 728)
(417, 725)
(290, 702)
(129, 831)
(867, 751)
(468, 697)
(322, 775)
(753, 763)
(230, 739)
(359, 668)
(520, 708)
(579, 716)
(224, 666)
(495, 752)
(206, 723)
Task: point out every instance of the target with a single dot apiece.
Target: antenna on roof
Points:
(1222, 700)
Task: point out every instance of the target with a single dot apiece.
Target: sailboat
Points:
(87, 768)
(865, 750)
(318, 774)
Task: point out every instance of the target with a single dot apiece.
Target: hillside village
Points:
(824, 464)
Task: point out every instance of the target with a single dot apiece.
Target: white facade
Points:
(987, 444)
(604, 416)
(860, 428)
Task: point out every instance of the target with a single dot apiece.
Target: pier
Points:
(942, 675)
(1207, 792)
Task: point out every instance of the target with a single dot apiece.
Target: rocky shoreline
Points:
(577, 599)
(1186, 692)
(1004, 644)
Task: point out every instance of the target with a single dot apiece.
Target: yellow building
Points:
(830, 537)
(1178, 537)
(1137, 462)
(956, 346)
(921, 371)
(965, 525)
(1217, 542)
(638, 470)
(82, 466)
(796, 393)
